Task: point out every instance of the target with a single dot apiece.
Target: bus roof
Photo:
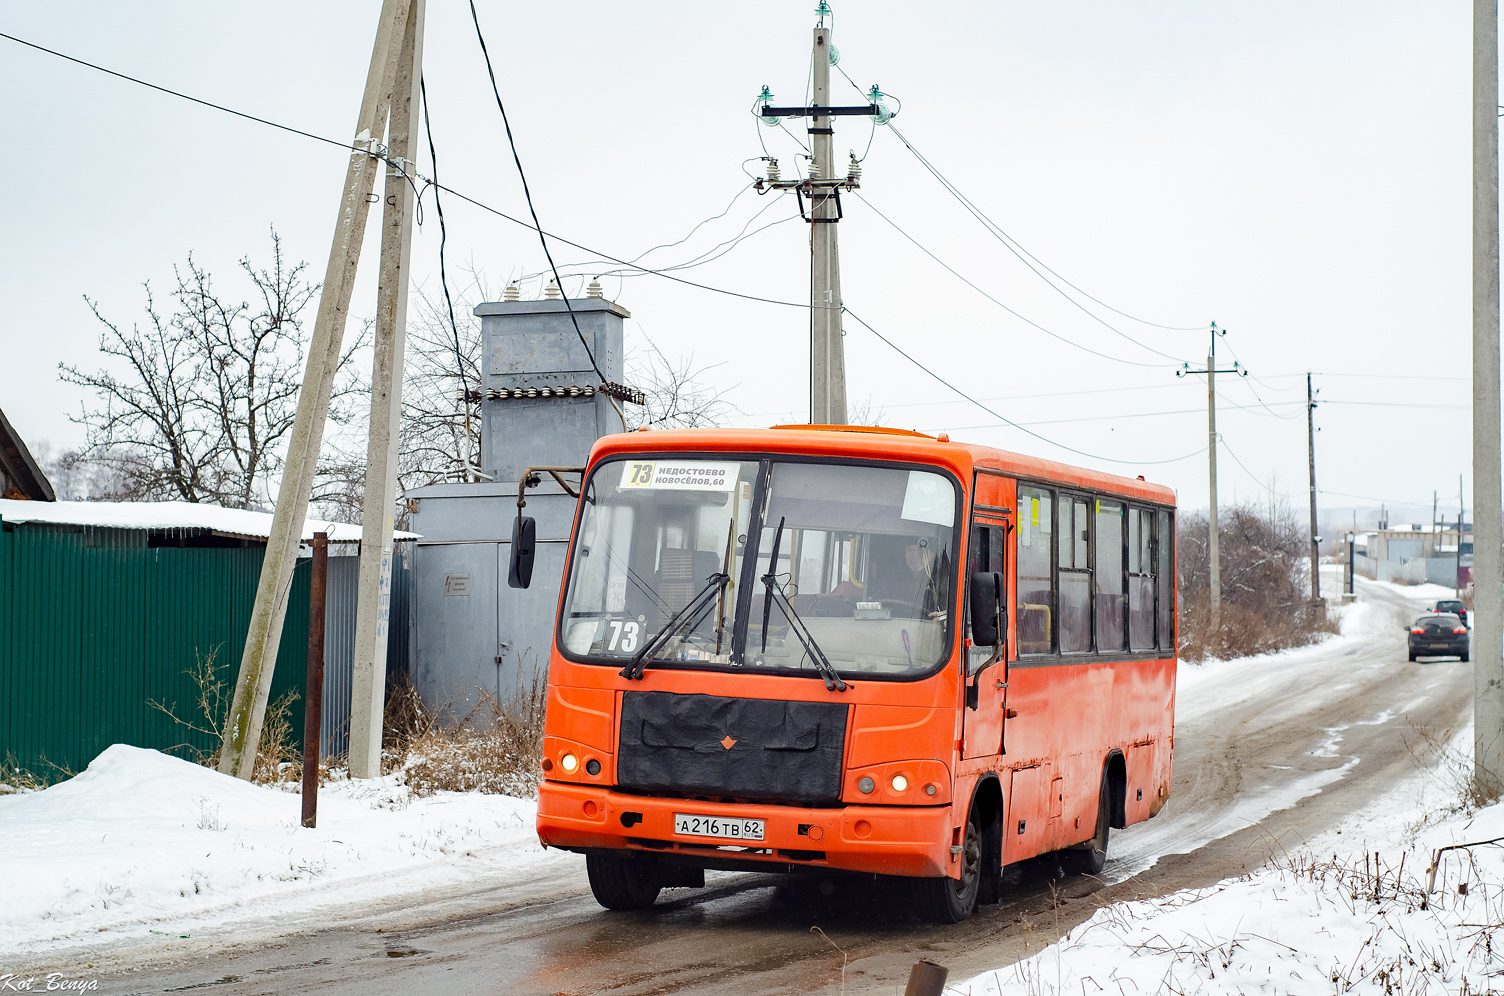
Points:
(876, 442)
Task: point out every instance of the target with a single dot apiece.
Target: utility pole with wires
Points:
(1212, 542)
(390, 98)
(1311, 454)
(820, 204)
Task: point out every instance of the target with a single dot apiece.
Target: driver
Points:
(921, 564)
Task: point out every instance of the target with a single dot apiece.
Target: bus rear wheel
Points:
(624, 882)
(1091, 857)
(950, 900)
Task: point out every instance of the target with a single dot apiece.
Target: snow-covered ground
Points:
(1351, 913)
(142, 843)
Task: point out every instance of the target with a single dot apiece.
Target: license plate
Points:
(719, 827)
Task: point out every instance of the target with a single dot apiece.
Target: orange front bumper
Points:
(885, 840)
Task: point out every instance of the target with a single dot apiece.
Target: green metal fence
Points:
(95, 624)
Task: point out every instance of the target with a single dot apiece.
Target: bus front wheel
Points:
(950, 900)
(624, 882)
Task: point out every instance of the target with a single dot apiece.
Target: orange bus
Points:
(847, 649)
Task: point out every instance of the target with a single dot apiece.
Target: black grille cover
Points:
(748, 748)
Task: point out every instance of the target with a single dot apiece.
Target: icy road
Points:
(1270, 752)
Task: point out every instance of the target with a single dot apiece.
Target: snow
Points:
(1426, 593)
(1352, 912)
(142, 842)
(170, 515)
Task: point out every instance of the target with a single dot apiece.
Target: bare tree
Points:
(1265, 582)
(678, 395)
(204, 398)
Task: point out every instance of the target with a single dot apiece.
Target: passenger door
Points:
(982, 724)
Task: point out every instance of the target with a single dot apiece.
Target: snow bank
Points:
(141, 840)
(1318, 921)
(170, 515)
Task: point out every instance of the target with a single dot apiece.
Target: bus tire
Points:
(1091, 857)
(949, 900)
(622, 882)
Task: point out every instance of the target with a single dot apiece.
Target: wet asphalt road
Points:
(1267, 756)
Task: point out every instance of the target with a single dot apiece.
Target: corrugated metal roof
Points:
(167, 516)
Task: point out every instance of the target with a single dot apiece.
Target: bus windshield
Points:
(866, 561)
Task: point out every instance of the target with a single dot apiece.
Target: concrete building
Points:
(1413, 555)
(472, 635)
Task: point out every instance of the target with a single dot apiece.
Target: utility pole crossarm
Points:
(865, 110)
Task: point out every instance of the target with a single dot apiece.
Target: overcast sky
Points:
(1297, 172)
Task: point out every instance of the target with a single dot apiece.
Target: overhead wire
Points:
(1000, 304)
(1019, 250)
(544, 235)
(1023, 255)
(459, 362)
(527, 192)
(1003, 418)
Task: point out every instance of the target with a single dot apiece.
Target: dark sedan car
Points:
(1454, 606)
(1438, 635)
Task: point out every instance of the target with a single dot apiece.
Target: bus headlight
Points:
(900, 783)
(569, 762)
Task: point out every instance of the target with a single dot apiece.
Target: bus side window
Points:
(1035, 616)
(1074, 575)
(1111, 610)
(1141, 579)
(1166, 556)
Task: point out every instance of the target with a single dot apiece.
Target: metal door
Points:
(986, 693)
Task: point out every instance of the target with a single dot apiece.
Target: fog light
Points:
(866, 785)
(592, 767)
(900, 783)
(569, 762)
(930, 789)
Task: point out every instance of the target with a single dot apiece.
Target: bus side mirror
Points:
(986, 599)
(524, 544)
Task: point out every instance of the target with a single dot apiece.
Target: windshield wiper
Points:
(775, 592)
(691, 614)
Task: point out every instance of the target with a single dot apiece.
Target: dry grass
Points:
(494, 748)
(1266, 596)
(277, 756)
(14, 777)
(1452, 767)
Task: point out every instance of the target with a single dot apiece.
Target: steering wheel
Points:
(899, 607)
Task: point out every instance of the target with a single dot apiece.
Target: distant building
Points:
(1411, 555)
(20, 477)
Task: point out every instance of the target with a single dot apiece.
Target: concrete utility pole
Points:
(1212, 542)
(1311, 453)
(827, 351)
(253, 682)
(373, 596)
(822, 189)
(1488, 511)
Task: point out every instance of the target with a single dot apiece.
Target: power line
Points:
(1017, 250)
(1003, 418)
(459, 362)
(480, 36)
(1386, 501)
(197, 100)
(448, 190)
(1069, 342)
